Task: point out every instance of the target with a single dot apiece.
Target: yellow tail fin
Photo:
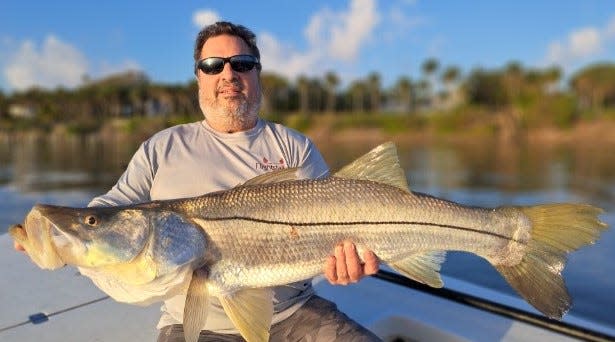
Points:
(556, 230)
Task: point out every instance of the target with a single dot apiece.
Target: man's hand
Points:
(346, 266)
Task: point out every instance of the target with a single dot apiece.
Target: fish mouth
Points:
(51, 238)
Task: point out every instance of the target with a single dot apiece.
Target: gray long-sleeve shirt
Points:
(193, 159)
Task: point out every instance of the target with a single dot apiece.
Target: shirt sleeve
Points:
(135, 183)
(313, 165)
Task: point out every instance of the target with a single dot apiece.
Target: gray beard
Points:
(240, 115)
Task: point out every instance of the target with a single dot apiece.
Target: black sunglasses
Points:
(239, 63)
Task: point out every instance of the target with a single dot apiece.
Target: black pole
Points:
(497, 308)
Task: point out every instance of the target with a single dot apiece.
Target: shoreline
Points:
(597, 132)
(323, 132)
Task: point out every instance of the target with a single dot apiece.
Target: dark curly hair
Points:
(221, 28)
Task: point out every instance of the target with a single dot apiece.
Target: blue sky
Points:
(56, 43)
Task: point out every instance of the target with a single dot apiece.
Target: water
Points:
(70, 171)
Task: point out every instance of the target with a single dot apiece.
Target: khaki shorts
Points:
(317, 320)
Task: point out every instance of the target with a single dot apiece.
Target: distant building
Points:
(22, 111)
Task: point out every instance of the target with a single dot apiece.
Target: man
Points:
(229, 147)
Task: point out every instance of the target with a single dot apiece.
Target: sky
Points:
(49, 44)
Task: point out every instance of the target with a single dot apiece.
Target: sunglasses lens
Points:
(242, 63)
(212, 65)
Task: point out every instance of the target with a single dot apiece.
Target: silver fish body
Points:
(276, 229)
(272, 234)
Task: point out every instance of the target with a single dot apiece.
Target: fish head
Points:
(87, 237)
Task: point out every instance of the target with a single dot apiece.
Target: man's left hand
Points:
(346, 267)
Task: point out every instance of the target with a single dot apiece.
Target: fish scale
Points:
(269, 229)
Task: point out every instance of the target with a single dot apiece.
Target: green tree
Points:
(3, 105)
(373, 86)
(403, 92)
(357, 91)
(317, 93)
(332, 81)
(513, 79)
(429, 68)
(303, 86)
(449, 78)
(275, 92)
(486, 88)
(595, 85)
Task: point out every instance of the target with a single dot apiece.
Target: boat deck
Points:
(71, 308)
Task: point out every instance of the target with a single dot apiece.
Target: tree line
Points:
(534, 92)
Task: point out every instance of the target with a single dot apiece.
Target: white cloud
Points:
(584, 42)
(344, 33)
(580, 45)
(203, 18)
(334, 38)
(56, 64)
(285, 60)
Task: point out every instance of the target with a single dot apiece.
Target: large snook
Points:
(276, 229)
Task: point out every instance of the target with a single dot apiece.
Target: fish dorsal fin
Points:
(251, 310)
(379, 165)
(424, 268)
(274, 177)
(195, 309)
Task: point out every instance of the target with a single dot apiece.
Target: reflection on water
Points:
(34, 163)
(70, 171)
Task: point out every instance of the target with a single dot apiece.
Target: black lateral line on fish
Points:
(354, 223)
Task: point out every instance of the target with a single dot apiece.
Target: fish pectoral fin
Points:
(379, 165)
(251, 310)
(424, 268)
(195, 309)
(274, 177)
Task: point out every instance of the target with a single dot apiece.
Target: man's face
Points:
(229, 100)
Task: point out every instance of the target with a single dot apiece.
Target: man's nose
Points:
(227, 72)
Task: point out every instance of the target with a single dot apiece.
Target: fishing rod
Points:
(563, 328)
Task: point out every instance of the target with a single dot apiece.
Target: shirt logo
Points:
(270, 165)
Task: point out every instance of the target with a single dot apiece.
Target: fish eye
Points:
(91, 220)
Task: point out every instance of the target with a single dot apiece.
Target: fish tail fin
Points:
(556, 230)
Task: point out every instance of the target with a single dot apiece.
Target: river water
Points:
(70, 171)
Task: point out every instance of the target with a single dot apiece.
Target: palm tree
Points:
(450, 76)
(275, 92)
(429, 68)
(303, 86)
(373, 84)
(317, 93)
(3, 105)
(423, 93)
(403, 91)
(357, 93)
(595, 85)
(331, 82)
(513, 78)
